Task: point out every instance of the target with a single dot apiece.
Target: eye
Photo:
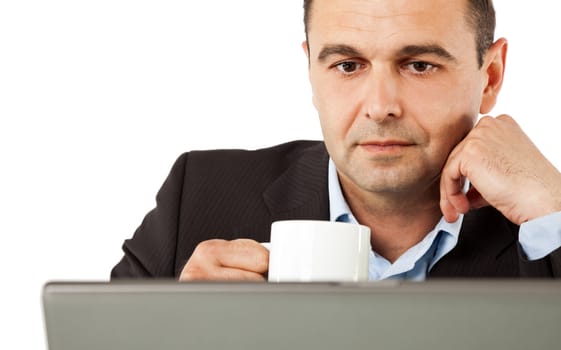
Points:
(420, 67)
(348, 67)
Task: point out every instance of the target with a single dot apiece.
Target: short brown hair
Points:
(481, 17)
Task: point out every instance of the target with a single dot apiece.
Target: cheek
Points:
(444, 136)
(337, 109)
(446, 112)
(444, 125)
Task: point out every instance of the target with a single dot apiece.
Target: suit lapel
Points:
(301, 191)
(486, 247)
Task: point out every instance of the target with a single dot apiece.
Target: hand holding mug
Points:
(240, 259)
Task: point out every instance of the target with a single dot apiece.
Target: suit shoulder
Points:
(275, 158)
(288, 149)
(225, 170)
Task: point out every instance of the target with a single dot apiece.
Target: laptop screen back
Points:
(384, 315)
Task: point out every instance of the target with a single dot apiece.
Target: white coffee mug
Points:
(318, 251)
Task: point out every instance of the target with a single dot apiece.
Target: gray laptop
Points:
(446, 314)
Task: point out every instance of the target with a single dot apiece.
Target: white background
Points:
(98, 98)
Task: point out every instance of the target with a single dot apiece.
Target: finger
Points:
(220, 259)
(218, 273)
(448, 211)
(244, 254)
(454, 195)
(452, 198)
(238, 275)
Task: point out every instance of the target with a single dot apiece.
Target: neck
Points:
(397, 222)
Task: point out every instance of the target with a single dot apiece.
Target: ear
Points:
(306, 49)
(493, 69)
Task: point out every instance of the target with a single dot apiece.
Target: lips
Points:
(386, 143)
(385, 146)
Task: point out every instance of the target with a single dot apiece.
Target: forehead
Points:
(389, 22)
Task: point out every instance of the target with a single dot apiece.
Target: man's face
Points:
(396, 84)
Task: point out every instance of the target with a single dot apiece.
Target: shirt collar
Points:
(338, 206)
(339, 211)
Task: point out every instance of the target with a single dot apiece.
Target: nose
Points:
(381, 95)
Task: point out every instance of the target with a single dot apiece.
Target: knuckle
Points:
(193, 273)
(473, 148)
(240, 243)
(485, 120)
(506, 118)
(209, 247)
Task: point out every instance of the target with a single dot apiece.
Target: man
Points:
(398, 86)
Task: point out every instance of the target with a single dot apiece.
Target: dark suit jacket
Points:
(231, 194)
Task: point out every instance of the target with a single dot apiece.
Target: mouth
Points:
(385, 146)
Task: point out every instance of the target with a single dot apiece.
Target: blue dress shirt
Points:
(538, 238)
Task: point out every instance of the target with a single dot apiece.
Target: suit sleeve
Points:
(150, 253)
(546, 267)
(540, 247)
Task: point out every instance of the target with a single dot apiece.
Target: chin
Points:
(391, 182)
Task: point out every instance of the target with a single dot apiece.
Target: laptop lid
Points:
(446, 314)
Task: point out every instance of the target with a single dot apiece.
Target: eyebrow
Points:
(431, 49)
(333, 50)
(406, 51)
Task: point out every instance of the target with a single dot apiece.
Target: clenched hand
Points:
(506, 171)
